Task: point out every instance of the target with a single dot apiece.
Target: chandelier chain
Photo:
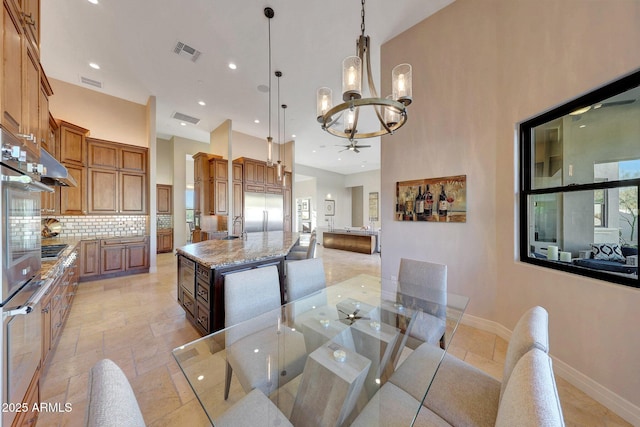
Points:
(362, 15)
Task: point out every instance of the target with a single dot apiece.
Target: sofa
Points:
(462, 395)
(614, 261)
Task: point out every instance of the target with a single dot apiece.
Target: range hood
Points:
(55, 172)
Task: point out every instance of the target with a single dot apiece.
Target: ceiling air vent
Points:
(187, 51)
(90, 82)
(185, 118)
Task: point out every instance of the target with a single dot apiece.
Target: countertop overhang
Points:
(256, 247)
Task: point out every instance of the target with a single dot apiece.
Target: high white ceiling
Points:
(133, 42)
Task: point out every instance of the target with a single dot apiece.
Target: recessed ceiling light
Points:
(361, 166)
(313, 151)
(293, 135)
(583, 126)
(339, 158)
(183, 124)
(202, 103)
(256, 121)
(94, 65)
(232, 65)
(93, 1)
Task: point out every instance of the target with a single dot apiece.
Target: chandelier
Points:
(390, 111)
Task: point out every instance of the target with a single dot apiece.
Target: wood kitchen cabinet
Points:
(72, 140)
(11, 69)
(254, 172)
(218, 187)
(165, 240)
(164, 199)
(117, 179)
(89, 258)
(124, 255)
(206, 172)
(73, 200)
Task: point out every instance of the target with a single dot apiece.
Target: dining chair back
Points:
(253, 307)
(304, 277)
(422, 285)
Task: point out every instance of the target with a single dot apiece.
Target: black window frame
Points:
(526, 184)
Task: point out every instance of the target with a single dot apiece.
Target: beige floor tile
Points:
(487, 365)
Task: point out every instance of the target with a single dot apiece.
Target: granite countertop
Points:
(52, 268)
(256, 247)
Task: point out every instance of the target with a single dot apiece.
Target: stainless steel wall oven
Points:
(21, 334)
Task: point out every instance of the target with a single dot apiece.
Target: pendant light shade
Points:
(351, 78)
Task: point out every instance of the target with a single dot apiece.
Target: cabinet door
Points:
(46, 328)
(165, 241)
(101, 155)
(89, 258)
(137, 256)
(221, 169)
(260, 173)
(197, 188)
(72, 144)
(287, 209)
(49, 202)
(31, 22)
(112, 258)
(271, 175)
(103, 191)
(11, 71)
(164, 199)
(133, 193)
(43, 106)
(221, 197)
(73, 200)
(238, 197)
(133, 159)
(31, 102)
(237, 172)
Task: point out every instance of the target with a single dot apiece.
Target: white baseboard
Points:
(601, 394)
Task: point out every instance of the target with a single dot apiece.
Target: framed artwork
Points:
(305, 205)
(373, 206)
(329, 207)
(432, 199)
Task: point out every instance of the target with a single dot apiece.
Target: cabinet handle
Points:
(29, 137)
(28, 19)
(45, 310)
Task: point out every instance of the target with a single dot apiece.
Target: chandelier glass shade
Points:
(342, 120)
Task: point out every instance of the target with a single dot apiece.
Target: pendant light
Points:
(284, 145)
(269, 13)
(279, 165)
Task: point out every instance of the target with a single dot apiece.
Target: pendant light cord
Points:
(269, 81)
(362, 15)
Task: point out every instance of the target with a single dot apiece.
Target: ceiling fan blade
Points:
(356, 149)
(363, 146)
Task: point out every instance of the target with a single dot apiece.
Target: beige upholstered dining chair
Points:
(255, 295)
(423, 285)
(304, 278)
(310, 251)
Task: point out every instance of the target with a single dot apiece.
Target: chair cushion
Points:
(111, 401)
(254, 409)
(530, 398)
(531, 331)
(612, 266)
(392, 406)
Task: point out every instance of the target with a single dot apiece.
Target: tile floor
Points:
(136, 322)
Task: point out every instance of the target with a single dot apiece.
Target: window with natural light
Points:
(579, 184)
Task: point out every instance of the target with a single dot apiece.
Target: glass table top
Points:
(323, 357)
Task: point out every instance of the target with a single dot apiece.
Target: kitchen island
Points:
(203, 266)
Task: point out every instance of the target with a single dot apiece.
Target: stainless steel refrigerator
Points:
(263, 212)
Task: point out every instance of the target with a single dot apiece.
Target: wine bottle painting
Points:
(432, 199)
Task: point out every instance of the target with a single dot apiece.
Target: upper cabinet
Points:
(164, 199)
(21, 73)
(72, 140)
(117, 180)
(210, 184)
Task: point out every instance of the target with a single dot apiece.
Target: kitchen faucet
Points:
(238, 219)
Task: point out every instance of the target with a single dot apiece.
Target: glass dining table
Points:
(319, 360)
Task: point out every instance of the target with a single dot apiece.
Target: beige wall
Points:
(480, 68)
(106, 117)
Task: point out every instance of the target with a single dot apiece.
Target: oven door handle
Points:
(26, 182)
(32, 302)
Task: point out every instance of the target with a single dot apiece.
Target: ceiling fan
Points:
(352, 146)
(350, 318)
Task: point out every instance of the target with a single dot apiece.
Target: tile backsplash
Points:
(165, 221)
(92, 226)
